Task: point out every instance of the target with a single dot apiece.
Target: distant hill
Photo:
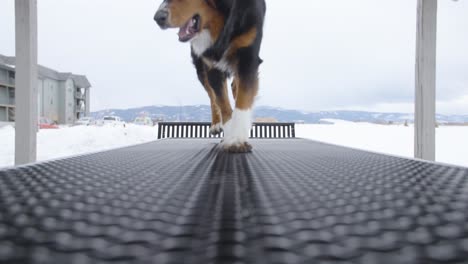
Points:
(203, 113)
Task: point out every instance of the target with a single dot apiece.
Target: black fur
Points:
(234, 52)
(215, 77)
(200, 67)
(241, 16)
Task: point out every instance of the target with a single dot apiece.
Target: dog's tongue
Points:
(186, 30)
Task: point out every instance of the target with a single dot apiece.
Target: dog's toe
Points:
(216, 129)
(243, 147)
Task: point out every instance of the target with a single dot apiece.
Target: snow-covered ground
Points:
(68, 141)
(452, 142)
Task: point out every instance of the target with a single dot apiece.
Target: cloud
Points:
(318, 54)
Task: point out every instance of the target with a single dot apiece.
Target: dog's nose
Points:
(161, 18)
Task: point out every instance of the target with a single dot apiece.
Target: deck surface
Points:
(185, 201)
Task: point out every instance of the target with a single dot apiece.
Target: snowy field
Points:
(68, 141)
(452, 142)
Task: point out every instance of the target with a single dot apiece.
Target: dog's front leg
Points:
(216, 118)
(237, 130)
(209, 78)
(216, 83)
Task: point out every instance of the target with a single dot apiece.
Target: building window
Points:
(12, 76)
(11, 93)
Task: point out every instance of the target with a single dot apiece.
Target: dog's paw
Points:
(242, 147)
(237, 131)
(216, 129)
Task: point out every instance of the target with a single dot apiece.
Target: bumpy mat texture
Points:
(186, 201)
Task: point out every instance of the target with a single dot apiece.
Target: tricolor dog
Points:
(225, 37)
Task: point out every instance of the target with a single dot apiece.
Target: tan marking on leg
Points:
(242, 41)
(245, 39)
(215, 110)
(246, 92)
(224, 104)
(234, 86)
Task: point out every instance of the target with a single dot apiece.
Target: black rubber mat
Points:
(185, 201)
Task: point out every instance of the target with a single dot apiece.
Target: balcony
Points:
(80, 96)
(10, 84)
(8, 102)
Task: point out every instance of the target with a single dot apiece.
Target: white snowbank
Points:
(335, 121)
(452, 142)
(67, 141)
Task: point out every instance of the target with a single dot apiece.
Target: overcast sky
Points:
(319, 55)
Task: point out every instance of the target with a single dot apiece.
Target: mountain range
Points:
(203, 113)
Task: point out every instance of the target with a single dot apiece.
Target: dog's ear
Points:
(211, 3)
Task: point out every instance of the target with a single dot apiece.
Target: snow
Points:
(334, 121)
(409, 117)
(452, 142)
(69, 141)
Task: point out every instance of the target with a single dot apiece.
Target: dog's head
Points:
(190, 16)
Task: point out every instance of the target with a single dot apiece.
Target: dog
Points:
(225, 37)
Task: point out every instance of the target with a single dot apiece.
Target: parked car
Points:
(46, 123)
(85, 121)
(143, 121)
(112, 120)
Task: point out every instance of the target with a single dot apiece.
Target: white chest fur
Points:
(201, 43)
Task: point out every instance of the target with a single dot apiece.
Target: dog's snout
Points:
(161, 18)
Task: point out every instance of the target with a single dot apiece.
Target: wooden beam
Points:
(26, 81)
(425, 105)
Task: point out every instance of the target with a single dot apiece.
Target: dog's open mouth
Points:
(190, 29)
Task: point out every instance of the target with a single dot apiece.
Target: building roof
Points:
(7, 63)
(80, 81)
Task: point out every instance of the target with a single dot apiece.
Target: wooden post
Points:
(425, 105)
(26, 81)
